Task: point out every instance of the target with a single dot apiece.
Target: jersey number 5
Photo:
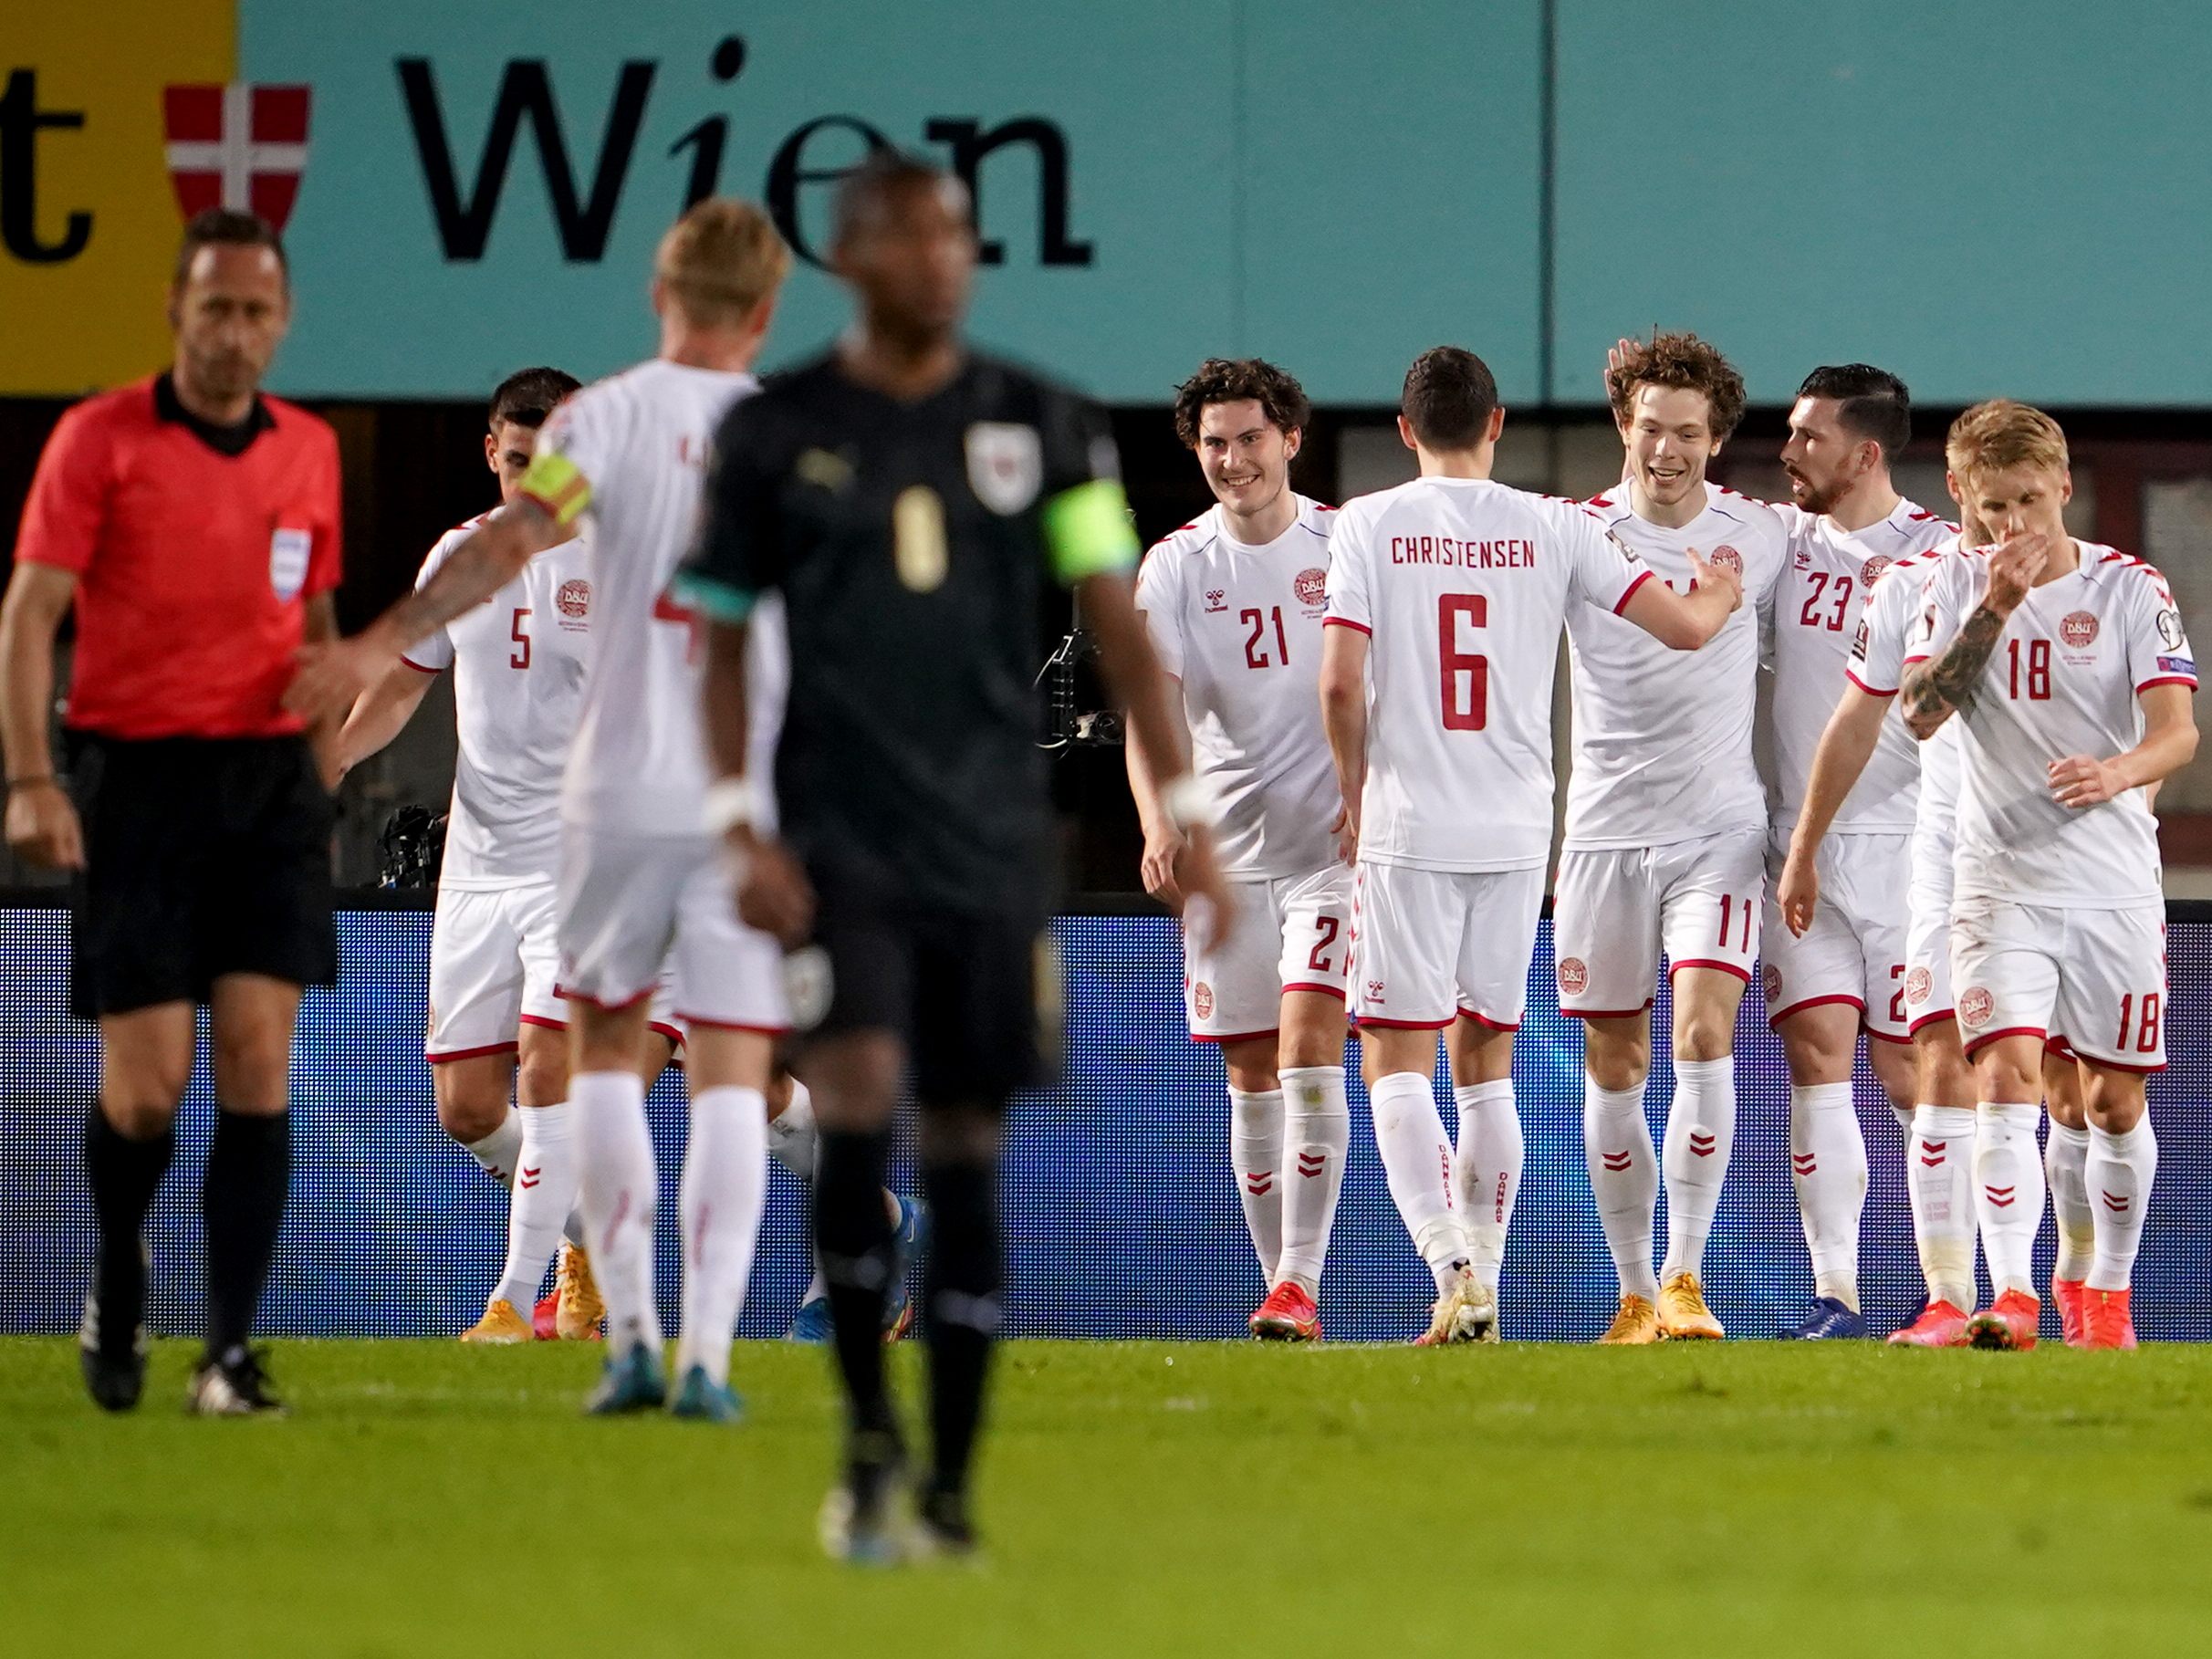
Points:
(520, 656)
(1468, 710)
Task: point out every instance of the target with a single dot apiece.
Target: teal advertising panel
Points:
(1156, 182)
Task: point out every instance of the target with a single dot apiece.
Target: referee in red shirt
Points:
(193, 524)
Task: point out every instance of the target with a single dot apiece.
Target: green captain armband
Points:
(554, 482)
(714, 599)
(1088, 532)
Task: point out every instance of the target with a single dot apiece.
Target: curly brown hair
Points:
(1224, 380)
(1684, 360)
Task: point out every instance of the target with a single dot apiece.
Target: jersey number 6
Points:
(1473, 712)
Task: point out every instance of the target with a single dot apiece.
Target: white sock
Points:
(1700, 1136)
(1904, 1116)
(1625, 1179)
(793, 1140)
(1940, 1180)
(2008, 1191)
(2120, 1167)
(499, 1151)
(1417, 1159)
(1487, 1171)
(1828, 1163)
(2066, 1168)
(544, 1199)
(620, 1195)
(1317, 1135)
(724, 1188)
(1256, 1154)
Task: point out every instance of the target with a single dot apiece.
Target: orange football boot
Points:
(2008, 1322)
(2106, 1319)
(1940, 1325)
(1288, 1315)
(2066, 1293)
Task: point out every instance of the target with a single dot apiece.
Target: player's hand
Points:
(1617, 353)
(2079, 780)
(42, 827)
(1207, 905)
(1163, 847)
(1346, 828)
(1798, 893)
(2013, 568)
(332, 675)
(1707, 575)
(773, 892)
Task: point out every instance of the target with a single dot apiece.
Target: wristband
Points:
(731, 803)
(1190, 800)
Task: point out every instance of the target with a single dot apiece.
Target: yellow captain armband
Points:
(1088, 531)
(555, 484)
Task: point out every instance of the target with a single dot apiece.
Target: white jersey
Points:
(640, 441)
(1816, 621)
(1662, 738)
(2064, 679)
(1240, 627)
(518, 662)
(1877, 665)
(1464, 586)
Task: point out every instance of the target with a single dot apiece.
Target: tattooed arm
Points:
(1937, 689)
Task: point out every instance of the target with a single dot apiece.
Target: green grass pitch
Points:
(1139, 1500)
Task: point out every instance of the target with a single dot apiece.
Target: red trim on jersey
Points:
(1336, 991)
(1884, 1037)
(445, 1055)
(1605, 1013)
(567, 994)
(1484, 1019)
(1598, 501)
(420, 668)
(1345, 621)
(1929, 1020)
(1780, 1014)
(1235, 1037)
(2168, 680)
(1674, 968)
(731, 1024)
(1910, 660)
(1976, 1044)
(2121, 1065)
(1400, 1025)
(1620, 604)
(1869, 690)
(2057, 1044)
(673, 1033)
(540, 1021)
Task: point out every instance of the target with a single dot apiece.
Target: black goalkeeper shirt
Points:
(910, 541)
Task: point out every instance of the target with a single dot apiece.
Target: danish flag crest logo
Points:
(237, 146)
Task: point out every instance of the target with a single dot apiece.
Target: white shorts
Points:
(1616, 908)
(1927, 958)
(1293, 934)
(1430, 945)
(1854, 951)
(494, 966)
(633, 907)
(2097, 976)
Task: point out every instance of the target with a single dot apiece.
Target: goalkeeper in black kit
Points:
(905, 498)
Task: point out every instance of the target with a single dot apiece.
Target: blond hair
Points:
(2001, 434)
(721, 262)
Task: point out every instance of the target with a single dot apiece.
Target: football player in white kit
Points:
(1447, 599)
(1667, 823)
(1233, 602)
(1846, 973)
(641, 883)
(496, 1025)
(2069, 675)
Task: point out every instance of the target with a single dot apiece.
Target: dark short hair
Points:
(875, 180)
(227, 228)
(1448, 399)
(1233, 380)
(529, 395)
(1874, 403)
(1683, 361)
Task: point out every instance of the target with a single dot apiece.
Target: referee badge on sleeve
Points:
(288, 551)
(1005, 465)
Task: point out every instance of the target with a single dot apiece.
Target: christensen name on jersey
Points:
(1512, 554)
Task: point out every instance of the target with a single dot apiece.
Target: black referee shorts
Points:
(978, 999)
(204, 856)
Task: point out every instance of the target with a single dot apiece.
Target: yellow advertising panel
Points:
(88, 219)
